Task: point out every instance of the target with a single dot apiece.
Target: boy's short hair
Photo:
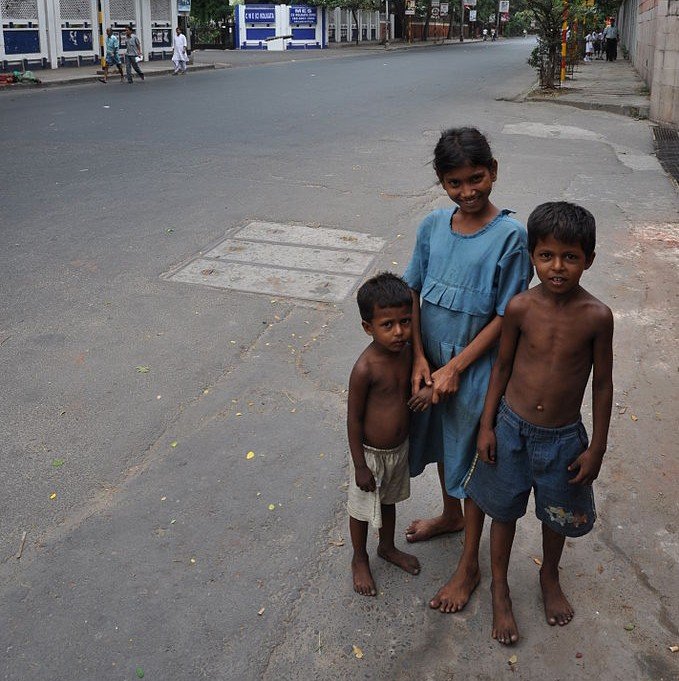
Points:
(567, 222)
(383, 290)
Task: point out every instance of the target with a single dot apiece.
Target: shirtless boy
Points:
(530, 434)
(378, 420)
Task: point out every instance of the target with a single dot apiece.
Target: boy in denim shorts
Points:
(530, 433)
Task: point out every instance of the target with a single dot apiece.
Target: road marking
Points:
(295, 261)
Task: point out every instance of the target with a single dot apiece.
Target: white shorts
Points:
(392, 477)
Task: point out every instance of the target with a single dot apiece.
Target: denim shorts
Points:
(112, 58)
(531, 457)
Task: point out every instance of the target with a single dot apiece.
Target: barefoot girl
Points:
(467, 263)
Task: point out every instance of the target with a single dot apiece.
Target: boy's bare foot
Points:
(364, 583)
(557, 608)
(423, 529)
(505, 630)
(455, 593)
(405, 561)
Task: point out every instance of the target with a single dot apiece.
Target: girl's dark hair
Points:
(567, 222)
(383, 290)
(459, 147)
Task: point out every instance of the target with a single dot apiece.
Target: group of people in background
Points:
(134, 54)
(600, 43)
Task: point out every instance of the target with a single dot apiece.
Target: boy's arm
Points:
(359, 385)
(588, 464)
(421, 400)
(421, 373)
(447, 378)
(499, 377)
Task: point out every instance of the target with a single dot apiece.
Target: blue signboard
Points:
(76, 40)
(183, 5)
(301, 14)
(260, 15)
(21, 41)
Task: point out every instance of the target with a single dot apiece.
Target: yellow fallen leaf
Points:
(250, 455)
(358, 653)
(261, 611)
(513, 659)
(192, 561)
(272, 507)
(336, 542)
(634, 417)
(537, 561)
(53, 495)
(163, 498)
(239, 413)
(673, 649)
(173, 444)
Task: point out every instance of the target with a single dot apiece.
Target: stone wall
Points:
(649, 31)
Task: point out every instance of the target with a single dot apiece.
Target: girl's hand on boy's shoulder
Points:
(588, 465)
(365, 479)
(421, 400)
(486, 444)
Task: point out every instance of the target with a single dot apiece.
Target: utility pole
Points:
(461, 21)
(564, 41)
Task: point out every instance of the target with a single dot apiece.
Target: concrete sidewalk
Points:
(75, 75)
(211, 59)
(602, 86)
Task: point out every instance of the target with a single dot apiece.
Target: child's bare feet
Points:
(505, 630)
(364, 583)
(405, 561)
(424, 529)
(557, 608)
(455, 593)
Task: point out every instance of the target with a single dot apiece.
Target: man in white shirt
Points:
(611, 38)
(179, 56)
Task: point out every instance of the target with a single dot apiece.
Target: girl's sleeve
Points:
(417, 267)
(514, 272)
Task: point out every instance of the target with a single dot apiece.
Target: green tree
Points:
(210, 10)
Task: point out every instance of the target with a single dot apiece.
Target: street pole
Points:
(497, 21)
(564, 34)
(461, 21)
(388, 22)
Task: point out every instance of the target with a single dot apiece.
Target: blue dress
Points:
(464, 280)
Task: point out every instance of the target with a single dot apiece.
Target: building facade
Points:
(54, 33)
(650, 33)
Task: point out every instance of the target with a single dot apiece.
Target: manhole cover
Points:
(296, 261)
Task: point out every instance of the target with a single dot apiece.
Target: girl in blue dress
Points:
(467, 264)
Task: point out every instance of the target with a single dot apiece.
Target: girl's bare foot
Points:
(364, 583)
(557, 608)
(505, 630)
(405, 561)
(455, 593)
(423, 529)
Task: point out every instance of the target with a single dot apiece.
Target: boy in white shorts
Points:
(378, 421)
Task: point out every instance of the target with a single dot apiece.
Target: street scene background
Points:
(155, 543)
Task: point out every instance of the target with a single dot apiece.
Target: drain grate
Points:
(290, 260)
(667, 149)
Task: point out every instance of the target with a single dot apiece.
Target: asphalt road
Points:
(159, 550)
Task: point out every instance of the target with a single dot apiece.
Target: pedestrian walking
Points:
(598, 39)
(179, 56)
(468, 262)
(589, 46)
(493, 35)
(133, 54)
(485, 34)
(112, 57)
(611, 37)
